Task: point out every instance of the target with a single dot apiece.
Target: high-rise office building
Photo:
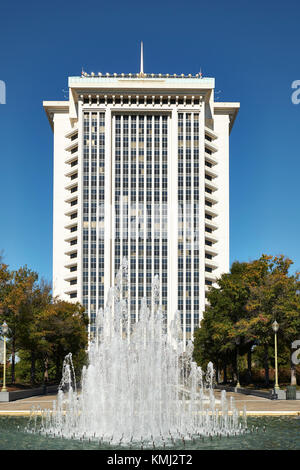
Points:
(141, 170)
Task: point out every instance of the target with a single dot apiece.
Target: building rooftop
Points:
(142, 81)
(180, 85)
(141, 75)
(93, 79)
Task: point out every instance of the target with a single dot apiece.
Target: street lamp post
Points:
(275, 327)
(4, 332)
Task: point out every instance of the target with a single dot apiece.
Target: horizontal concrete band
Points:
(270, 395)
(248, 413)
(20, 394)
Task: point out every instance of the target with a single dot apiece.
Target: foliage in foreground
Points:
(42, 330)
(242, 308)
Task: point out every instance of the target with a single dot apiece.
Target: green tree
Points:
(5, 278)
(242, 309)
(17, 296)
(211, 343)
(227, 304)
(42, 329)
(63, 329)
(274, 297)
(30, 336)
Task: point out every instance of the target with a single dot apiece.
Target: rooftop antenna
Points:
(142, 61)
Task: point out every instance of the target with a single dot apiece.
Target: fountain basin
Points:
(281, 433)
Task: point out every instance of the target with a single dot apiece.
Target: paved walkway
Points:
(23, 406)
(263, 406)
(255, 406)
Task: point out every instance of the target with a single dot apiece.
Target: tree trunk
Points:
(266, 365)
(225, 373)
(249, 366)
(57, 369)
(293, 374)
(32, 369)
(13, 360)
(46, 370)
(232, 376)
(236, 376)
(217, 372)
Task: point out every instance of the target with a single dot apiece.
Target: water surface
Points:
(281, 433)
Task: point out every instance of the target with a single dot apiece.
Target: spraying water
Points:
(141, 385)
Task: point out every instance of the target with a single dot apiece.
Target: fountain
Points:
(141, 386)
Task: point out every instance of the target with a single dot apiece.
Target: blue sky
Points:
(250, 47)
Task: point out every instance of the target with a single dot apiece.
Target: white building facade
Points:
(141, 170)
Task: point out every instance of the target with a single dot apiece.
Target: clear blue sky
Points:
(250, 47)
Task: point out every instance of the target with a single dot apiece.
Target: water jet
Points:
(140, 380)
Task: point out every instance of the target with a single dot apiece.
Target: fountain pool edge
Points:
(249, 413)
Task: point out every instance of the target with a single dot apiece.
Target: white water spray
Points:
(141, 386)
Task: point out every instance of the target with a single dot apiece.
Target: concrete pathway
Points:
(23, 407)
(255, 406)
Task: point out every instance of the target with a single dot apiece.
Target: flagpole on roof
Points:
(142, 60)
